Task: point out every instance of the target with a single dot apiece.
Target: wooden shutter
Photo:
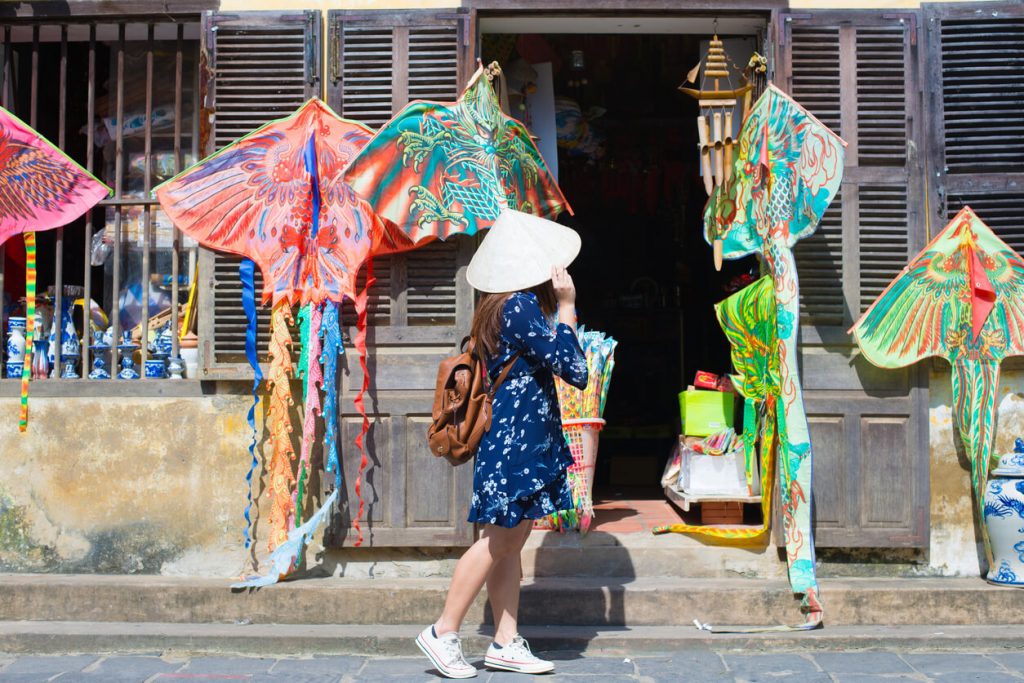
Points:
(857, 73)
(976, 91)
(260, 66)
(421, 305)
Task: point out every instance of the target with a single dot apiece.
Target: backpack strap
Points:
(474, 349)
(501, 377)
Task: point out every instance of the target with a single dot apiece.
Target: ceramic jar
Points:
(15, 340)
(1004, 518)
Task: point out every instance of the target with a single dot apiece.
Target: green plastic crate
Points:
(705, 412)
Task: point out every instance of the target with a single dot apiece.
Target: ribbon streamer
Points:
(30, 323)
(314, 379)
(360, 344)
(282, 453)
(246, 273)
(332, 346)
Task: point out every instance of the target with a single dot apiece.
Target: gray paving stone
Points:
(228, 665)
(25, 678)
(402, 666)
(51, 665)
(947, 662)
(1014, 661)
(878, 678)
(768, 667)
(977, 676)
(569, 663)
(510, 677)
(861, 662)
(318, 665)
(295, 678)
(776, 677)
(706, 664)
(129, 668)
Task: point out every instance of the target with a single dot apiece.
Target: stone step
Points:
(594, 602)
(599, 553)
(270, 640)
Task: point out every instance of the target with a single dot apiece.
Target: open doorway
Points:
(623, 141)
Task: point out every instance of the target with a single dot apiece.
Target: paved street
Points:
(688, 667)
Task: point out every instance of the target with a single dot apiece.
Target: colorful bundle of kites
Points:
(582, 413)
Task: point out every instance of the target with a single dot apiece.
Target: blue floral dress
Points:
(522, 461)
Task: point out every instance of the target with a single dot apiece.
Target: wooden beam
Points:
(630, 6)
(87, 8)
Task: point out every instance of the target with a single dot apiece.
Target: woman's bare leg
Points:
(503, 593)
(494, 545)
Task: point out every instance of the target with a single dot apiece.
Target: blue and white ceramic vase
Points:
(156, 368)
(15, 368)
(127, 347)
(100, 354)
(1004, 518)
(15, 340)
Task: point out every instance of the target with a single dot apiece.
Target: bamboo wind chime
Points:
(715, 140)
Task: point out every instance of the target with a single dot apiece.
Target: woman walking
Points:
(521, 463)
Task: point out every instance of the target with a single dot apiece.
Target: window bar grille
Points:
(175, 236)
(87, 263)
(118, 189)
(147, 211)
(58, 247)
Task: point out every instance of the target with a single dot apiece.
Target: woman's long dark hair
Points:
(486, 329)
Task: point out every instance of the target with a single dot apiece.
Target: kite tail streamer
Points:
(302, 367)
(30, 323)
(246, 272)
(360, 344)
(331, 329)
(975, 387)
(286, 557)
(314, 379)
(282, 453)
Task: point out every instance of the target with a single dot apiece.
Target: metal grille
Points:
(121, 99)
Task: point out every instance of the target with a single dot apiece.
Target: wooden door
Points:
(869, 428)
(421, 305)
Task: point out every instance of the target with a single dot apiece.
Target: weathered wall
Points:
(242, 5)
(156, 485)
(123, 485)
(954, 538)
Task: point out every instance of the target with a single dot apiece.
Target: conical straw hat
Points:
(519, 251)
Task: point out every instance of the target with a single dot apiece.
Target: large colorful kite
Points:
(41, 188)
(439, 169)
(277, 197)
(962, 299)
(786, 174)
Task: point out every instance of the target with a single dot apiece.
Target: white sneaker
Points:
(446, 653)
(516, 656)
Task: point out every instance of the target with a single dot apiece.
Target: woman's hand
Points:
(565, 295)
(565, 290)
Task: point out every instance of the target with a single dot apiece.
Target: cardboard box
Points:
(716, 475)
(705, 412)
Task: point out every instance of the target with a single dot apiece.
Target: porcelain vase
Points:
(1004, 518)
(15, 340)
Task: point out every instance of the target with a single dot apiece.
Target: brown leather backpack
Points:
(462, 404)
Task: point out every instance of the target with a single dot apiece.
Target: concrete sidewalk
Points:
(691, 667)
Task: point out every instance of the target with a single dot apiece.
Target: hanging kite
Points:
(277, 197)
(786, 173)
(439, 169)
(962, 299)
(41, 188)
